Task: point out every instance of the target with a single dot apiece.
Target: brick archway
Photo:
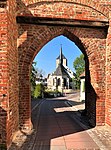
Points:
(87, 23)
(91, 42)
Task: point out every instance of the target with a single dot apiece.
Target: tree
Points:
(40, 72)
(33, 78)
(35, 73)
(79, 66)
(39, 91)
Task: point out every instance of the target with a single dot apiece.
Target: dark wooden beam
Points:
(62, 22)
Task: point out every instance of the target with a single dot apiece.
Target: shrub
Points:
(51, 93)
(39, 90)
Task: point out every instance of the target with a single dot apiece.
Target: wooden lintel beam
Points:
(62, 22)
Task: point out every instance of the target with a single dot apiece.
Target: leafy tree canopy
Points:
(33, 77)
(35, 73)
(79, 65)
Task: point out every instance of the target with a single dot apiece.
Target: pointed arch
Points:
(92, 43)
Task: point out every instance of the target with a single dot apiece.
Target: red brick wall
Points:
(3, 75)
(31, 38)
(8, 73)
(78, 10)
(65, 7)
(12, 60)
(108, 75)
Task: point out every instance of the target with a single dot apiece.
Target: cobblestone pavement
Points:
(31, 140)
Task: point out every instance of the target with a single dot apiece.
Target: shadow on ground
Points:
(54, 113)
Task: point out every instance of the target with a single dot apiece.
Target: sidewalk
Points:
(100, 134)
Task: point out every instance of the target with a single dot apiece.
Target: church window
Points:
(65, 82)
(59, 81)
(53, 81)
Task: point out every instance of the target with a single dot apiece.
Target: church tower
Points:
(61, 59)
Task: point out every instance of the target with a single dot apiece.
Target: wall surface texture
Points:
(25, 27)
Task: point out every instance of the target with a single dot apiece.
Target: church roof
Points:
(61, 56)
(60, 71)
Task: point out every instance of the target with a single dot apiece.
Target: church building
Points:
(61, 78)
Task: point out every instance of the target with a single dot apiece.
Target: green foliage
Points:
(39, 91)
(52, 93)
(78, 84)
(35, 73)
(74, 83)
(3, 147)
(33, 78)
(79, 66)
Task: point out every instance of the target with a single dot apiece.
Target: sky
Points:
(46, 58)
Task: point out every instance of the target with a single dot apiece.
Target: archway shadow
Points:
(90, 96)
(54, 121)
(3, 119)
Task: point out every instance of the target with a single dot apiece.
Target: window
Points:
(59, 82)
(53, 81)
(65, 82)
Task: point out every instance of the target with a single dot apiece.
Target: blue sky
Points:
(46, 58)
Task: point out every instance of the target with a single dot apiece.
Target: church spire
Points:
(61, 59)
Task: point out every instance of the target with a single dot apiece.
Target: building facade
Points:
(61, 78)
(82, 87)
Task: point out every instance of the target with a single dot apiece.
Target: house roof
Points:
(82, 75)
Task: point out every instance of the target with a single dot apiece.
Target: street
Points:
(57, 130)
(57, 125)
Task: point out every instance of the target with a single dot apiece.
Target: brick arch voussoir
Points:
(96, 59)
(48, 34)
(23, 60)
(71, 34)
(42, 35)
(39, 41)
(85, 40)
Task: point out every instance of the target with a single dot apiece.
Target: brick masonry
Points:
(8, 73)
(20, 43)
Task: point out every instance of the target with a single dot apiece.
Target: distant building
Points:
(41, 80)
(82, 87)
(62, 77)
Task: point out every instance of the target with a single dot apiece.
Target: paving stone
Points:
(63, 131)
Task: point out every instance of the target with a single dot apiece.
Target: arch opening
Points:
(84, 44)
